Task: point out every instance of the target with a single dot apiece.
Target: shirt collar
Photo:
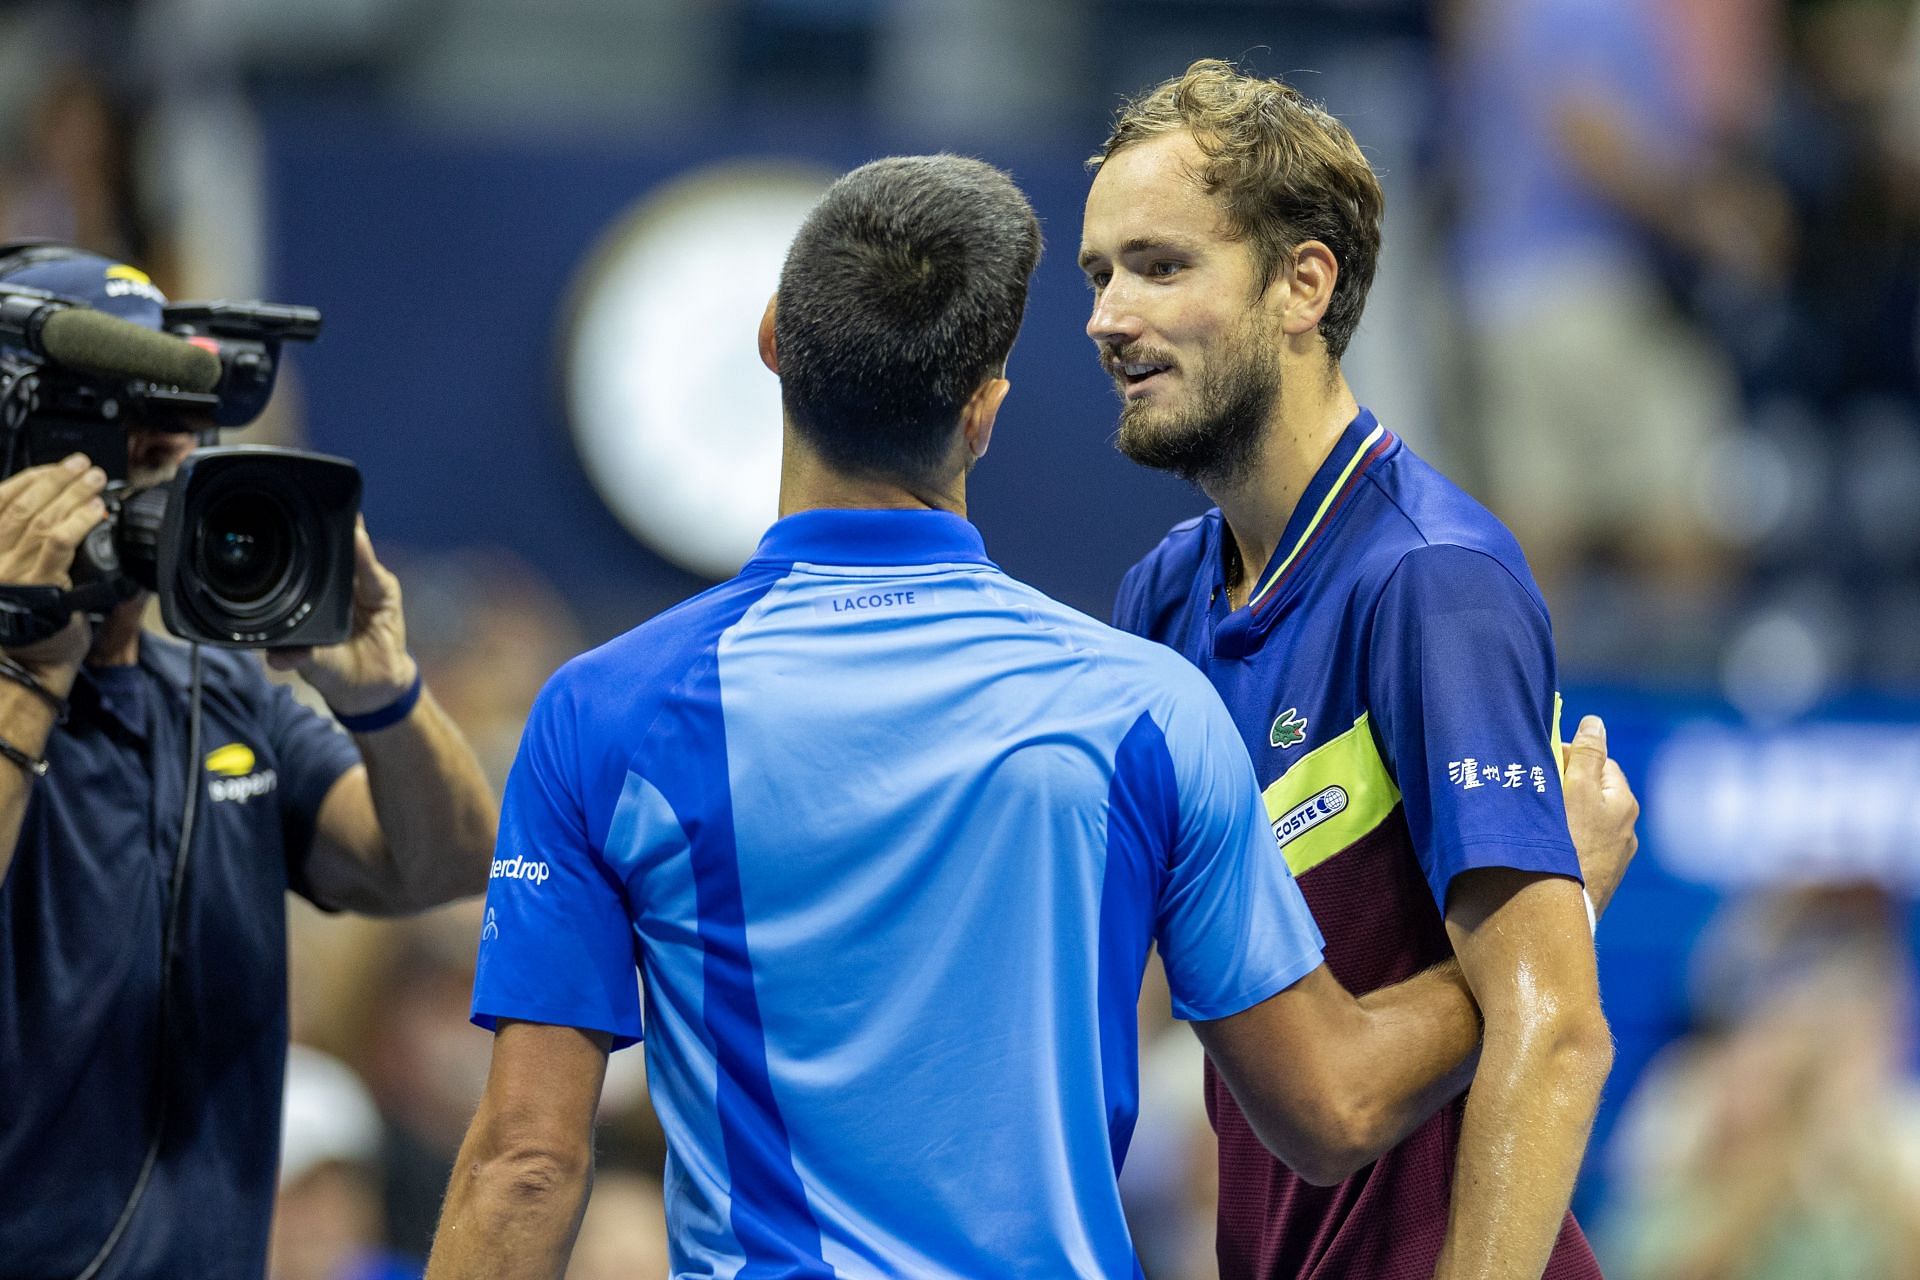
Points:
(872, 537)
(1362, 443)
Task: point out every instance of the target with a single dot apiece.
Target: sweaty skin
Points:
(1172, 286)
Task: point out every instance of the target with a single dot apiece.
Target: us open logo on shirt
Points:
(1308, 814)
(234, 777)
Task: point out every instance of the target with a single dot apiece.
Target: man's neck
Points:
(116, 638)
(1309, 415)
(807, 484)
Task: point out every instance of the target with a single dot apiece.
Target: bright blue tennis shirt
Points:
(886, 835)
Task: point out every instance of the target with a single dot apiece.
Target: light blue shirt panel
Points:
(647, 848)
(952, 839)
(1233, 928)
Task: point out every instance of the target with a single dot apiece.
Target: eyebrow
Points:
(1139, 244)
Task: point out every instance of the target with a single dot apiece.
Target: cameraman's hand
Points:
(371, 668)
(1601, 812)
(45, 512)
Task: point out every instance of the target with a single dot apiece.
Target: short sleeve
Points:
(310, 753)
(1232, 926)
(1461, 689)
(556, 943)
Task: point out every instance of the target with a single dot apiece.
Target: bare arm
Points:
(415, 826)
(520, 1182)
(1523, 944)
(27, 723)
(410, 828)
(1329, 1083)
(44, 513)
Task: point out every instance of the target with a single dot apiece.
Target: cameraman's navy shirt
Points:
(81, 918)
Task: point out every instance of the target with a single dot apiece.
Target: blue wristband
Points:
(391, 714)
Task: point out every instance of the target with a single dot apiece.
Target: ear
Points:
(976, 420)
(1305, 287)
(769, 352)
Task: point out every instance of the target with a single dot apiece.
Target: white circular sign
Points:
(675, 418)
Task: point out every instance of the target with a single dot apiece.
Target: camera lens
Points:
(246, 547)
(251, 546)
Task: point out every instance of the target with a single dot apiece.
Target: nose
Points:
(1115, 321)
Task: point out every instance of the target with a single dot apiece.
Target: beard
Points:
(1212, 440)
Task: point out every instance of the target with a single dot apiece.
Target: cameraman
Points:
(141, 1080)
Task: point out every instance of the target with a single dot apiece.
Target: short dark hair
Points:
(902, 293)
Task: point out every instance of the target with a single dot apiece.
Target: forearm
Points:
(435, 807)
(507, 1216)
(1525, 1130)
(1330, 1083)
(1415, 1051)
(27, 722)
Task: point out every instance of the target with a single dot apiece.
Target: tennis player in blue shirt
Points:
(884, 836)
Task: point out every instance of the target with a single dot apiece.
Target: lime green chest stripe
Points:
(1332, 796)
(1340, 791)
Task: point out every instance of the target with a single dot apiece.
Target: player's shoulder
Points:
(1178, 555)
(612, 682)
(1440, 535)
(1147, 671)
(1161, 582)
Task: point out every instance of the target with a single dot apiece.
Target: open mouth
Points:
(1139, 375)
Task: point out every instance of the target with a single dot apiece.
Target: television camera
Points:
(245, 546)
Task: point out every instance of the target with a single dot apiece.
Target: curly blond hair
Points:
(1282, 168)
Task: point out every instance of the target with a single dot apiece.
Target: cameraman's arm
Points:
(26, 722)
(411, 828)
(415, 826)
(44, 513)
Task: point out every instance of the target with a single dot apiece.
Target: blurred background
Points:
(1651, 291)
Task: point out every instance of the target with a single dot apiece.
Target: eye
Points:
(1163, 268)
(1097, 280)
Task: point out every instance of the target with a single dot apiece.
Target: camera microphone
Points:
(82, 338)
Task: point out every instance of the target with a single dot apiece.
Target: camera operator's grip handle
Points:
(100, 343)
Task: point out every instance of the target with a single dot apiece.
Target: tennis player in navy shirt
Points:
(1389, 663)
(884, 837)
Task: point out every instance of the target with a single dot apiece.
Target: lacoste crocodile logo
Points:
(1289, 729)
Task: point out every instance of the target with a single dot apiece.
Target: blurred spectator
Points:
(1596, 400)
(624, 1233)
(1170, 1182)
(327, 1220)
(1830, 360)
(1781, 1141)
(76, 178)
(1844, 161)
(425, 1064)
(488, 631)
